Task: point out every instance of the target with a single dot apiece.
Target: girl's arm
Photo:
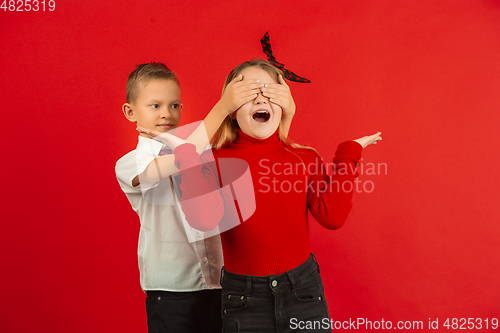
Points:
(330, 198)
(201, 201)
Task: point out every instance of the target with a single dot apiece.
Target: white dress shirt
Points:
(169, 259)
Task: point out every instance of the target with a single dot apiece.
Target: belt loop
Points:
(292, 279)
(315, 260)
(249, 286)
(221, 275)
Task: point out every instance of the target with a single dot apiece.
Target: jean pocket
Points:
(309, 291)
(234, 302)
(308, 295)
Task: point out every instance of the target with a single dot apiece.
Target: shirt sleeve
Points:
(131, 165)
(329, 199)
(201, 201)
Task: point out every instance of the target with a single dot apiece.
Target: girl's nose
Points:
(260, 98)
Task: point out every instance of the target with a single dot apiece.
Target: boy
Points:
(181, 279)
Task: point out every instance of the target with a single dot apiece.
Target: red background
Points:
(424, 244)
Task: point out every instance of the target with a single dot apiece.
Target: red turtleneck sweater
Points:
(287, 183)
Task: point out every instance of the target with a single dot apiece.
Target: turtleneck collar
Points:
(243, 139)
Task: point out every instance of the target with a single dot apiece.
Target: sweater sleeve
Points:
(329, 199)
(201, 201)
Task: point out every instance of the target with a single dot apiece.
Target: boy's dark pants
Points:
(184, 312)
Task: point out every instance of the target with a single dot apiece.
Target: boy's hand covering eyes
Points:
(239, 92)
(167, 139)
(280, 94)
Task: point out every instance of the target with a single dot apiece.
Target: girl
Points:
(270, 280)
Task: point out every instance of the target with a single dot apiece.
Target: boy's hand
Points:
(280, 95)
(239, 92)
(167, 139)
(369, 140)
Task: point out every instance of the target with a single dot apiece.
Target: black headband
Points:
(289, 75)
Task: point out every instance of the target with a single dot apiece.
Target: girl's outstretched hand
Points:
(239, 92)
(369, 140)
(167, 139)
(280, 94)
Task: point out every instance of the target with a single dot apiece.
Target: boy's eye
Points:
(155, 106)
(175, 106)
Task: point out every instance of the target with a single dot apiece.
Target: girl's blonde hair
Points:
(226, 134)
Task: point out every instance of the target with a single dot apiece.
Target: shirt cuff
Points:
(350, 150)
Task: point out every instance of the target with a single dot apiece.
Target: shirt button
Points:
(159, 298)
(274, 283)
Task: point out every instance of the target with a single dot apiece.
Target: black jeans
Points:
(291, 302)
(184, 312)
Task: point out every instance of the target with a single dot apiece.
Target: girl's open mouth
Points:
(261, 116)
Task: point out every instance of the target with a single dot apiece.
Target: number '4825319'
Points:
(28, 5)
(471, 323)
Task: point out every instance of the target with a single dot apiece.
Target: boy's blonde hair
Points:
(226, 134)
(144, 73)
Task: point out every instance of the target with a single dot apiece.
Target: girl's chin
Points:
(260, 135)
(260, 131)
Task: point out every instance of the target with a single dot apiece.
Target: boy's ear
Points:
(128, 112)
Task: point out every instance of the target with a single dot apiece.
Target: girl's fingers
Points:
(165, 138)
(374, 138)
(369, 139)
(146, 131)
(148, 135)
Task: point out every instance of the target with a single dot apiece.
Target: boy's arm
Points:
(280, 94)
(163, 166)
(237, 93)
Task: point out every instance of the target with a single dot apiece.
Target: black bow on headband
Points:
(289, 75)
